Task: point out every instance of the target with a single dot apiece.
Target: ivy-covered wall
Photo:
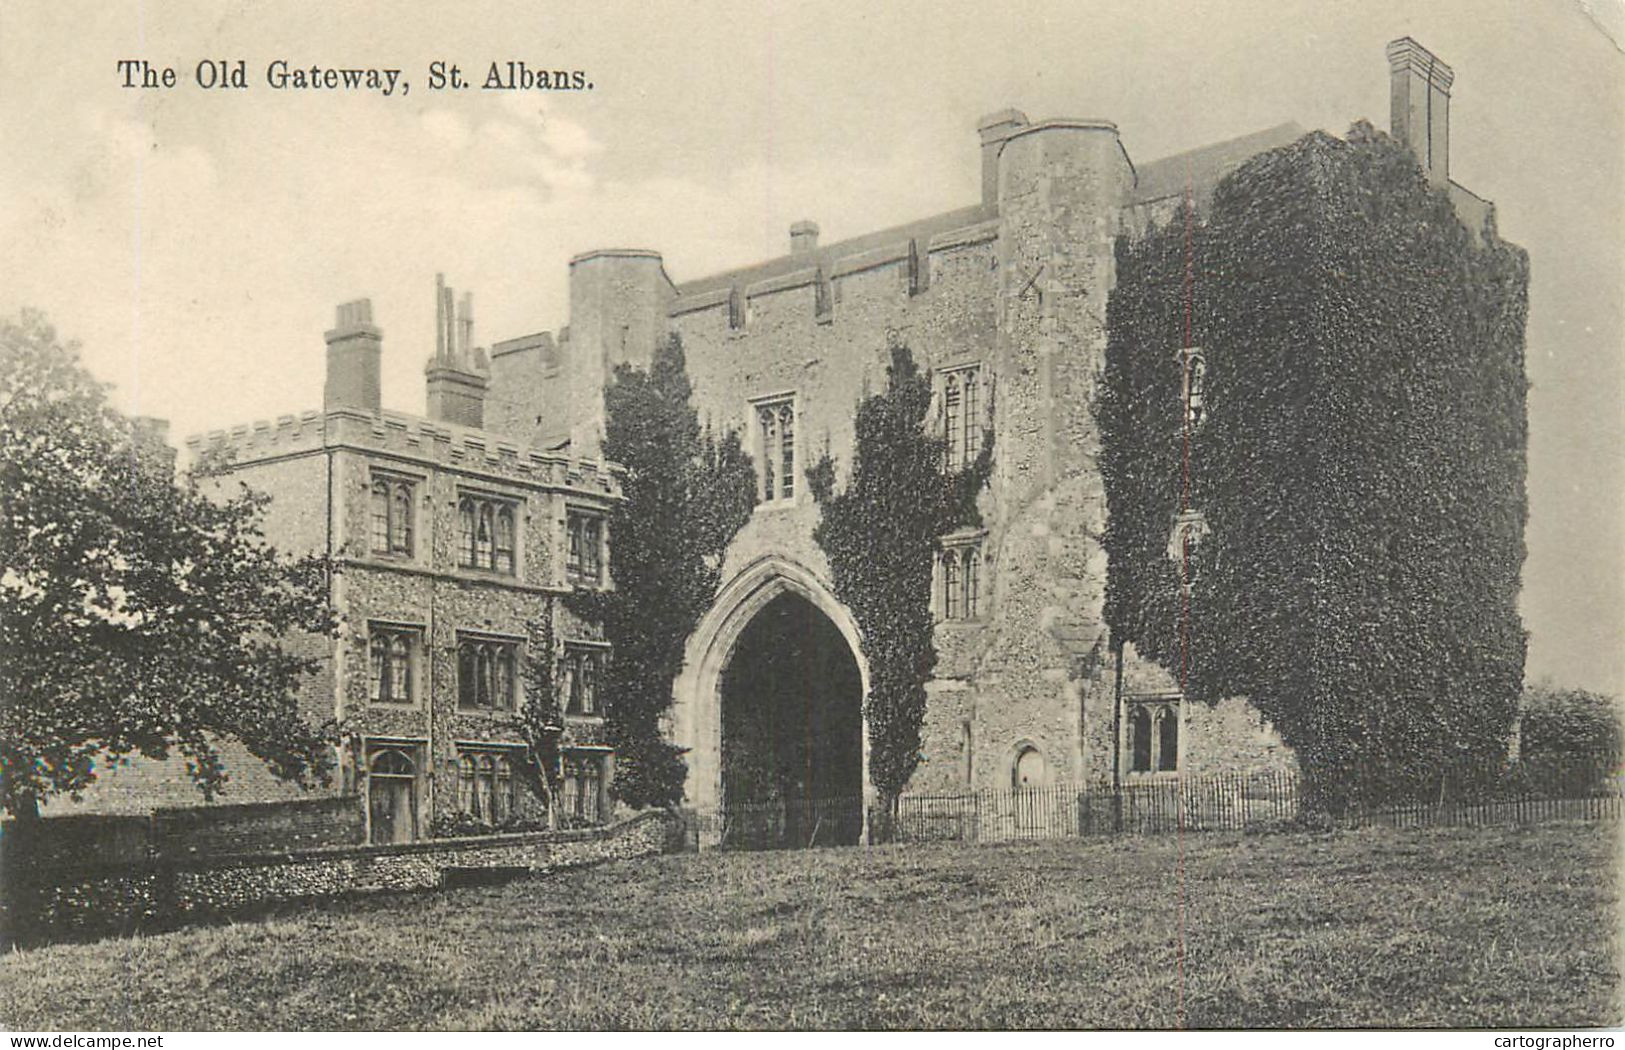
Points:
(1358, 462)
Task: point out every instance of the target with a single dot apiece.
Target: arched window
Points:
(390, 678)
(1189, 530)
(1139, 740)
(400, 520)
(483, 537)
(485, 785)
(770, 444)
(787, 450)
(1193, 387)
(380, 515)
(485, 788)
(465, 784)
(391, 506)
(466, 522)
(952, 596)
(583, 672)
(502, 791)
(502, 560)
(488, 534)
(486, 673)
(1167, 725)
(776, 434)
(971, 583)
(951, 419)
(400, 670)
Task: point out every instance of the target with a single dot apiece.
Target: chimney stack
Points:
(1419, 86)
(803, 237)
(354, 346)
(456, 375)
(994, 129)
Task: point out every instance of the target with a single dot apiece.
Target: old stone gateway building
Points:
(453, 529)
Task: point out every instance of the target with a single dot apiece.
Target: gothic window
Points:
(776, 433)
(391, 653)
(962, 420)
(487, 670)
(960, 579)
(585, 561)
(485, 785)
(1189, 530)
(1153, 735)
(487, 534)
(583, 676)
(391, 515)
(1193, 386)
(583, 787)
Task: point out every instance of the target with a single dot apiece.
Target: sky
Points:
(196, 241)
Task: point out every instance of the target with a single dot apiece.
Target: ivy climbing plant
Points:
(1360, 462)
(540, 717)
(686, 491)
(880, 534)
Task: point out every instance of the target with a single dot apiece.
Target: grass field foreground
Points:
(1498, 927)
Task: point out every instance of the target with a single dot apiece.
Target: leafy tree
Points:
(1557, 721)
(686, 493)
(136, 617)
(880, 534)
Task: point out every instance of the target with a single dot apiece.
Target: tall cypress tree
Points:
(686, 491)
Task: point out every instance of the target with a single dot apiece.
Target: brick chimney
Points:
(1419, 86)
(354, 346)
(457, 375)
(803, 237)
(994, 129)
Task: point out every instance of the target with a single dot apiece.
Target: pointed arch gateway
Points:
(743, 606)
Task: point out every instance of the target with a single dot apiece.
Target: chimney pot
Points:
(803, 237)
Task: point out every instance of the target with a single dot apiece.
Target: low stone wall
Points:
(103, 898)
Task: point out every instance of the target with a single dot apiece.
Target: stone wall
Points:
(93, 899)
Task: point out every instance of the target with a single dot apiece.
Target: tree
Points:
(686, 493)
(1569, 722)
(136, 616)
(880, 534)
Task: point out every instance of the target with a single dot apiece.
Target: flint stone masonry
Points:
(101, 898)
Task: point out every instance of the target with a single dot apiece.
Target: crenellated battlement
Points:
(406, 436)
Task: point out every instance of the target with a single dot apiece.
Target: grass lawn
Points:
(1499, 927)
